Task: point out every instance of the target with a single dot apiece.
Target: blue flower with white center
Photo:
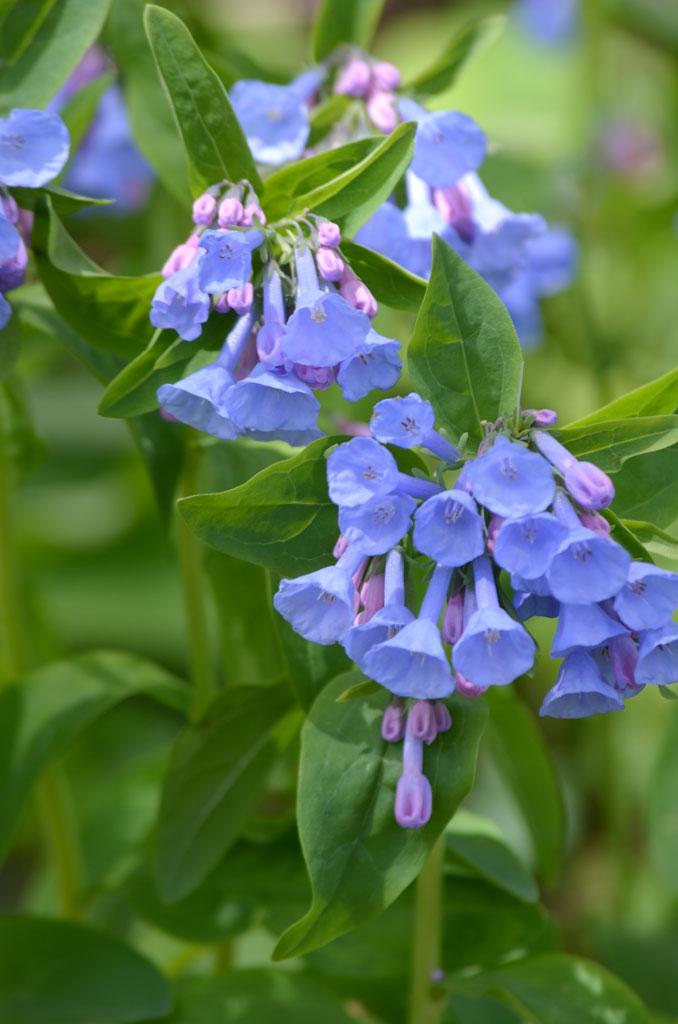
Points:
(584, 625)
(324, 330)
(586, 567)
(180, 305)
(510, 480)
(449, 528)
(386, 622)
(359, 470)
(413, 663)
(379, 524)
(226, 259)
(376, 366)
(494, 649)
(658, 655)
(527, 545)
(272, 400)
(274, 117)
(447, 143)
(33, 148)
(407, 422)
(580, 690)
(319, 605)
(649, 596)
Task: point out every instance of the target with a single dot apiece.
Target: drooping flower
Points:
(33, 148)
(377, 366)
(378, 524)
(449, 529)
(510, 480)
(580, 690)
(649, 596)
(275, 117)
(584, 625)
(586, 567)
(319, 605)
(407, 422)
(226, 259)
(180, 305)
(386, 622)
(526, 545)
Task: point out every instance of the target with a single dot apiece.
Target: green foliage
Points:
(388, 282)
(344, 21)
(476, 845)
(609, 443)
(661, 812)
(461, 48)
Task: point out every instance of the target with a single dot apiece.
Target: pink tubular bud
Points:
(319, 378)
(594, 521)
(25, 224)
(393, 724)
(542, 417)
(492, 531)
(386, 76)
(180, 258)
(248, 360)
(442, 716)
(340, 547)
(203, 209)
(352, 427)
(354, 79)
(250, 212)
(241, 299)
(372, 595)
(221, 305)
(623, 659)
(329, 263)
(329, 234)
(589, 485)
(454, 206)
(414, 800)
(381, 111)
(453, 618)
(166, 415)
(230, 212)
(421, 723)
(467, 688)
(357, 294)
(10, 209)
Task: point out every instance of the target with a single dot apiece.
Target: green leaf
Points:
(63, 201)
(46, 57)
(388, 282)
(477, 844)
(352, 197)
(56, 702)
(558, 989)
(282, 518)
(526, 766)
(10, 343)
(621, 532)
(359, 859)
(111, 313)
(464, 356)
(55, 972)
(657, 398)
(78, 113)
(655, 541)
(365, 688)
(161, 445)
(609, 443)
(215, 145)
(662, 811)
(647, 489)
(344, 21)
(217, 773)
(325, 115)
(469, 40)
(19, 21)
(667, 693)
(304, 176)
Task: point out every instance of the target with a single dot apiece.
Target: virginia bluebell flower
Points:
(273, 402)
(448, 144)
(377, 366)
(586, 567)
(226, 259)
(510, 480)
(548, 22)
(361, 469)
(275, 117)
(526, 545)
(580, 690)
(414, 797)
(385, 623)
(658, 655)
(587, 484)
(180, 305)
(407, 422)
(13, 256)
(649, 596)
(449, 529)
(5, 311)
(584, 625)
(319, 605)
(379, 524)
(393, 723)
(33, 148)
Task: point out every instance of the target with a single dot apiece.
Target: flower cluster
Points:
(518, 534)
(33, 149)
(315, 322)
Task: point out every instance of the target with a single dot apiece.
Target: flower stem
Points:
(191, 576)
(425, 1006)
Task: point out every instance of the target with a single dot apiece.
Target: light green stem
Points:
(425, 1005)
(191, 576)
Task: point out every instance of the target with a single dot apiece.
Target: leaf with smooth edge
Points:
(325, 115)
(657, 398)
(472, 38)
(56, 702)
(70, 27)
(352, 197)
(217, 773)
(56, 972)
(388, 282)
(216, 147)
(344, 21)
(19, 22)
(647, 489)
(609, 443)
(359, 859)
(624, 535)
(478, 845)
(527, 768)
(662, 813)
(657, 542)
(61, 199)
(558, 989)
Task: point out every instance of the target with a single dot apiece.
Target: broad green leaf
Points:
(325, 115)
(388, 282)
(609, 443)
(525, 764)
(624, 535)
(657, 542)
(647, 489)
(657, 398)
(464, 356)
(19, 21)
(63, 201)
(133, 390)
(359, 859)
(215, 145)
(344, 21)
(260, 995)
(558, 989)
(55, 972)
(56, 702)
(282, 518)
(218, 771)
(352, 197)
(464, 44)
(111, 313)
(150, 116)
(662, 810)
(477, 845)
(281, 187)
(48, 57)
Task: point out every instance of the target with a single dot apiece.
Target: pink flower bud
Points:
(453, 618)
(414, 800)
(340, 547)
(386, 75)
(543, 417)
(357, 294)
(442, 716)
(589, 485)
(249, 358)
(10, 209)
(250, 212)
(454, 206)
(594, 521)
(381, 111)
(329, 234)
(221, 305)
(421, 724)
(24, 224)
(623, 659)
(179, 259)
(317, 377)
(330, 264)
(393, 724)
(492, 531)
(467, 688)
(372, 595)
(203, 209)
(240, 299)
(230, 212)
(354, 79)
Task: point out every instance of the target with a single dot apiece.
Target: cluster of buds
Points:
(375, 82)
(518, 534)
(304, 321)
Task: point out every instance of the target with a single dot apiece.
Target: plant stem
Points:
(191, 576)
(10, 587)
(425, 1008)
(56, 813)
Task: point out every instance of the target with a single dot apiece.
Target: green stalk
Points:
(191, 577)
(425, 1004)
(10, 585)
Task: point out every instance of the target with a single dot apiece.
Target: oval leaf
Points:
(467, 41)
(344, 21)
(609, 443)
(388, 282)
